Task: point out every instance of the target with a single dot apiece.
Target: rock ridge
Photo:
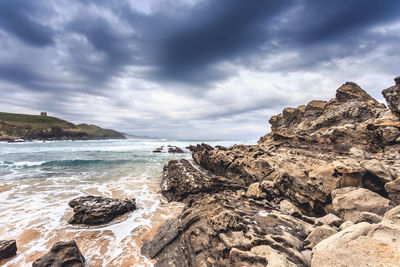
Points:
(327, 168)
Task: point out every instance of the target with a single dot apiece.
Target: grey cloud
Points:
(18, 18)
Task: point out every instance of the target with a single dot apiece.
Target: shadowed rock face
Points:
(257, 205)
(94, 210)
(8, 248)
(62, 254)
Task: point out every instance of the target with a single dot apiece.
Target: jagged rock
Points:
(320, 233)
(180, 179)
(175, 150)
(94, 210)
(362, 244)
(200, 147)
(368, 217)
(393, 188)
(228, 230)
(8, 248)
(349, 202)
(329, 219)
(62, 254)
(392, 96)
(288, 208)
(255, 191)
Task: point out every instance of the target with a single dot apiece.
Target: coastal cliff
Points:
(32, 127)
(322, 189)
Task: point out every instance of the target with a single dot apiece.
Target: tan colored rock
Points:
(320, 233)
(362, 244)
(368, 217)
(375, 167)
(329, 219)
(345, 225)
(349, 202)
(254, 191)
(393, 188)
(288, 208)
(274, 258)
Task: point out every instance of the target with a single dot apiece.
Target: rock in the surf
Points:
(175, 150)
(98, 210)
(62, 254)
(8, 248)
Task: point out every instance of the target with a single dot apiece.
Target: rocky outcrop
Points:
(62, 254)
(327, 166)
(182, 179)
(230, 230)
(93, 210)
(8, 249)
(200, 147)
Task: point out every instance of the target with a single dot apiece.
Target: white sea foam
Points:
(35, 195)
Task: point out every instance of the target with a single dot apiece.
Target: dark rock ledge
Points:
(322, 189)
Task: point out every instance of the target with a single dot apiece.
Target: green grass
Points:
(96, 130)
(35, 121)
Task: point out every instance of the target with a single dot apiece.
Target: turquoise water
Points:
(38, 179)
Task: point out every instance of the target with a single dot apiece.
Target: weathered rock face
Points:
(94, 210)
(181, 179)
(350, 202)
(200, 147)
(8, 248)
(362, 244)
(224, 229)
(62, 254)
(267, 204)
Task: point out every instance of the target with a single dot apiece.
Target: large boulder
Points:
(93, 210)
(349, 202)
(62, 254)
(362, 244)
(8, 248)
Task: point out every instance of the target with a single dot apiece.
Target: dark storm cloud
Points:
(18, 18)
(128, 56)
(112, 49)
(217, 31)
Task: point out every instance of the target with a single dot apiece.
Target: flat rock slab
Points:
(95, 210)
(8, 248)
(62, 254)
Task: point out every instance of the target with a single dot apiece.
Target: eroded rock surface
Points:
(326, 166)
(94, 210)
(62, 254)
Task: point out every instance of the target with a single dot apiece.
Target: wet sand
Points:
(115, 244)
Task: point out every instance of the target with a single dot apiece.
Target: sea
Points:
(38, 179)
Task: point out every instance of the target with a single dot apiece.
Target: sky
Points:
(209, 69)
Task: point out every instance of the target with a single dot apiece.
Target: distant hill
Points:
(37, 127)
(96, 132)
